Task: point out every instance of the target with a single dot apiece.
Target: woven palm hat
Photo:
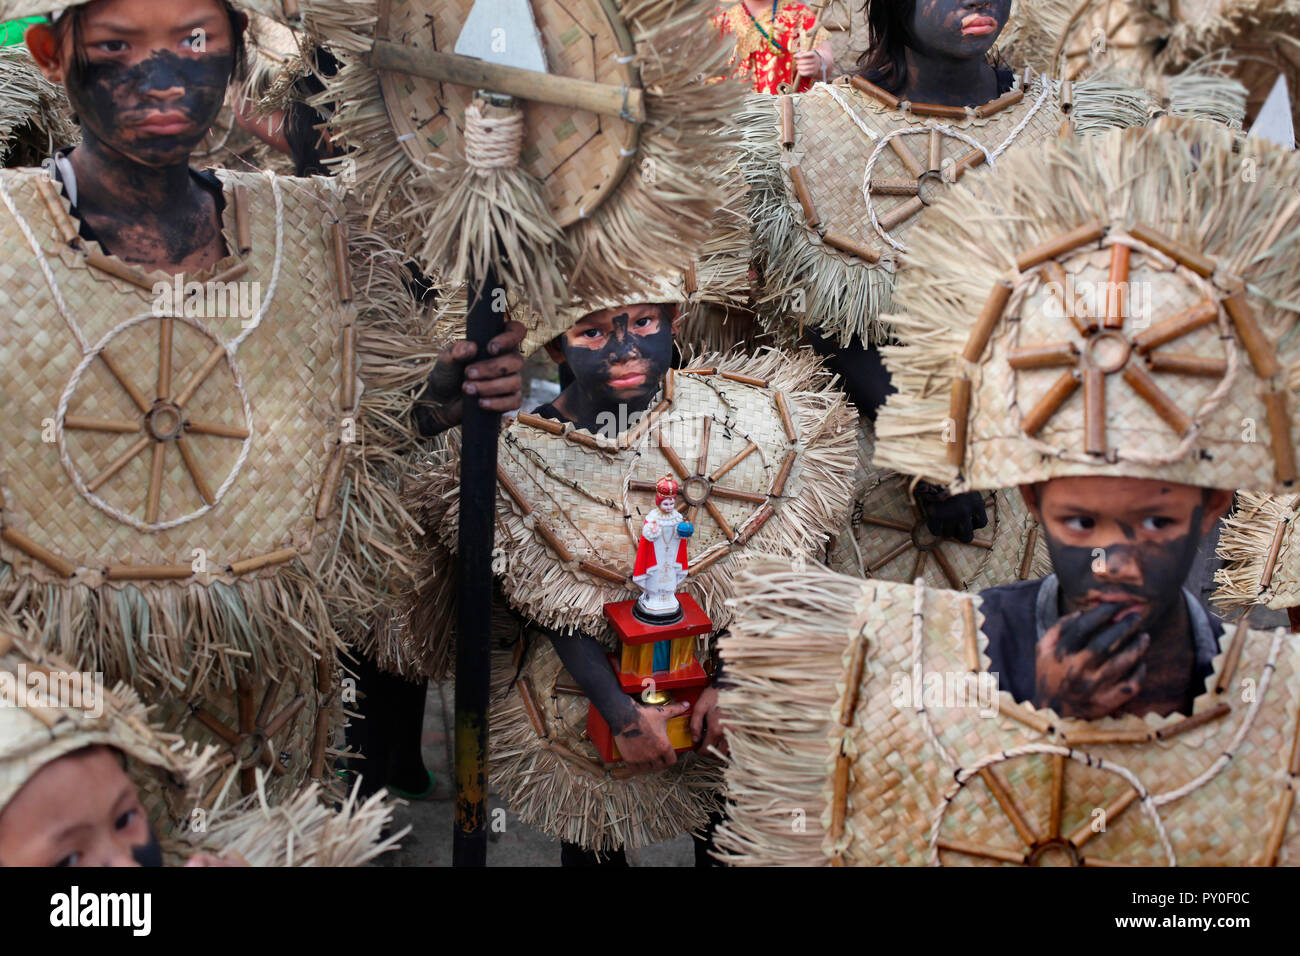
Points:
(886, 536)
(668, 288)
(890, 744)
(34, 113)
(14, 9)
(49, 709)
(843, 179)
(1116, 306)
(1260, 553)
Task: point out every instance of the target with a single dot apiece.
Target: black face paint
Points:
(150, 854)
(947, 45)
(113, 101)
(1164, 567)
(625, 352)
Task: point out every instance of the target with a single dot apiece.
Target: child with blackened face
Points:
(81, 809)
(1112, 630)
(618, 358)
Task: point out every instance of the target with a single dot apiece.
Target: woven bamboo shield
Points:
(179, 454)
(887, 539)
(761, 445)
(887, 746)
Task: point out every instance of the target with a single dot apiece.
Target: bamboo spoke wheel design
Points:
(1106, 347)
(916, 540)
(947, 158)
(169, 411)
(1062, 820)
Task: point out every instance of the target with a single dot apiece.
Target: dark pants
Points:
(390, 729)
(571, 854)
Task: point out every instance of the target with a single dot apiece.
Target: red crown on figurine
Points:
(667, 487)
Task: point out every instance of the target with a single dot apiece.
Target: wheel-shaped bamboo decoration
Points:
(158, 415)
(915, 545)
(580, 157)
(948, 156)
(285, 727)
(1056, 807)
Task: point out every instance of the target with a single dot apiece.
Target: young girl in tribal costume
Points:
(768, 44)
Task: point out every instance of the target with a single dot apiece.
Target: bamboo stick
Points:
(116, 425)
(27, 546)
(1201, 265)
(901, 213)
(875, 92)
(1044, 356)
(899, 549)
(745, 379)
(840, 796)
(949, 572)
(230, 275)
(720, 520)
(1055, 248)
(1280, 819)
(753, 497)
(708, 559)
(1027, 559)
(544, 424)
(1178, 364)
(959, 413)
(1185, 322)
(600, 571)
(192, 465)
(1025, 717)
(217, 429)
(736, 459)
(319, 744)
(525, 688)
(976, 849)
(118, 269)
(348, 397)
(970, 633)
(627, 103)
(118, 464)
(290, 8)
(851, 246)
(341, 261)
(219, 729)
(853, 688)
(1274, 549)
(764, 514)
(243, 225)
(673, 458)
(670, 383)
(1231, 661)
(1094, 411)
(805, 197)
(552, 540)
(935, 110)
(1085, 832)
(581, 764)
(1153, 395)
(906, 157)
(1057, 798)
(1073, 309)
(1279, 435)
(936, 150)
(778, 486)
(999, 791)
(1001, 103)
(1098, 738)
(128, 386)
(787, 122)
(1117, 286)
(976, 157)
(1293, 769)
(878, 522)
(62, 222)
(1196, 720)
(702, 370)
(1257, 345)
(282, 718)
(893, 187)
(1092, 861)
(165, 361)
(282, 556)
(330, 483)
(691, 281)
(988, 318)
(148, 572)
(787, 420)
(192, 386)
(1046, 407)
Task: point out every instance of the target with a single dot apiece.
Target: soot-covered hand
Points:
(952, 516)
(1089, 664)
(495, 381)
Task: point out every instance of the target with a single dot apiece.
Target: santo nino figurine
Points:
(660, 567)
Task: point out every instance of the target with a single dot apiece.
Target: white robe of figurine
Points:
(660, 560)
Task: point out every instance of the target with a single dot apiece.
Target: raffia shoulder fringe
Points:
(1261, 556)
(890, 743)
(270, 527)
(300, 831)
(1197, 239)
(34, 113)
(662, 179)
(765, 446)
(838, 194)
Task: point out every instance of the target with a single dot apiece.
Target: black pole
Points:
(478, 483)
